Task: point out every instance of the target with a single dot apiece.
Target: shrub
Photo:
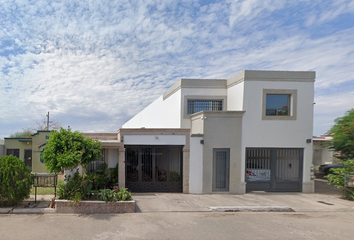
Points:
(338, 179)
(15, 180)
(124, 195)
(76, 188)
(108, 195)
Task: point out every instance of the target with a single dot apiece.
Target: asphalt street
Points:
(176, 225)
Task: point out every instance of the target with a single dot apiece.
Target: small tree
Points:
(343, 135)
(66, 149)
(343, 141)
(15, 180)
(338, 176)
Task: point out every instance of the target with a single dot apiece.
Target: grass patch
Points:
(45, 190)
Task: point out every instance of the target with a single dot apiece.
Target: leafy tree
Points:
(15, 180)
(26, 133)
(66, 149)
(343, 141)
(343, 135)
(338, 177)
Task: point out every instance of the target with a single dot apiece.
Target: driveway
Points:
(325, 199)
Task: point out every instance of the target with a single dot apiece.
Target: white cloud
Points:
(95, 64)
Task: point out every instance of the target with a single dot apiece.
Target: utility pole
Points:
(47, 121)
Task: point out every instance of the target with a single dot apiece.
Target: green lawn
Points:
(45, 190)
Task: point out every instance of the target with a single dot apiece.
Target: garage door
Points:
(274, 169)
(154, 168)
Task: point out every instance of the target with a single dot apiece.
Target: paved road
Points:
(171, 225)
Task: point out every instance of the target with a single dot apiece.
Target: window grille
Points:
(94, 166)
(195, 106)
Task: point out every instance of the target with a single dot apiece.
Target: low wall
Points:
(93, 207)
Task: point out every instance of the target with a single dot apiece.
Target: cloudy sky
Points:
(95, 64)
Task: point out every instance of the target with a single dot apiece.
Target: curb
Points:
(252, 209)
(32, 211)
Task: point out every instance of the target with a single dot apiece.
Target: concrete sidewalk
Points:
(29, 207)
(326, 199)
(260, 201)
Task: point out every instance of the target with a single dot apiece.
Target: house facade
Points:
(251, 132)
(29, 149)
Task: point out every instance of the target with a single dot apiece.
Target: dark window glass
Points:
(278, 105)
(14, 152)
(195, 106)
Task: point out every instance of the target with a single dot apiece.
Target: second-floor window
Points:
(278, 105)
(195, 105)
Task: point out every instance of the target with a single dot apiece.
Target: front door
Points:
(221, 169)
(28, 158)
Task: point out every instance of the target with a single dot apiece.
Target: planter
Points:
(94, 207)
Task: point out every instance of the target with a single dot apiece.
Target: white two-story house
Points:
(250, 132)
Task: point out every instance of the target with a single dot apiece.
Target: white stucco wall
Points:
(279, 133)
(196, 165)
(154, 140)
(326, 154)
(159, 114)
(235, 97)
(112, 157)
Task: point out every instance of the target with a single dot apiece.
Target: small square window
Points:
(278, 105)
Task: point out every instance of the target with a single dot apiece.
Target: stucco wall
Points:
(159, 114)
(279, 133)
(112, 157)
(37, 140)
(196, 165)
(15, 144)
(221, 130)
(235, 97)
(326, 154)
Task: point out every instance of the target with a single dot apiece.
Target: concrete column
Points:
(121, 167)
(186, 157)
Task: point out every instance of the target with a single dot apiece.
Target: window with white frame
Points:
(279, 104)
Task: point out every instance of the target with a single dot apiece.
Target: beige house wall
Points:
(220, 130)
(38, 139)
(14, 143)
(34, 143)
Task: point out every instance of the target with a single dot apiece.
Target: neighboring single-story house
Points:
(29, 149)
(250, 132)
(322, 153)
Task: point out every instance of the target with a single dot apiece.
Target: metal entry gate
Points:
(274, 169)
(154, 169)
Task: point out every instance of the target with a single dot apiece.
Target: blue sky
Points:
(95, 64)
